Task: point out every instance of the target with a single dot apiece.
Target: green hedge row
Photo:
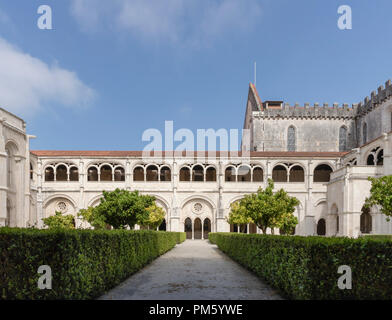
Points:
(84, 263)
(307, 267)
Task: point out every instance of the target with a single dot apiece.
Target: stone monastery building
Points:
(320, 154)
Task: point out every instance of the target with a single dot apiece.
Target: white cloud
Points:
(28, 84)
(186, 21)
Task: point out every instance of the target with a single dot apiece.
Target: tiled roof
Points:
(258, 154)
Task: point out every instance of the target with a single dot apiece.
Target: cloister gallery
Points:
(322, 155)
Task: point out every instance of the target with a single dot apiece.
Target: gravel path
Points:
(193, 270)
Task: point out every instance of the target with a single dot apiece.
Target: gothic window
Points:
(210, 174)
(92, 174)
(364, 133)
(185, 174)
(138, 174)
(197, 173)
(337, 223)
(322, 173)
(119, 174)
(49, 174)
(321, 227)
(279, 174)
(106, 173)
(342, 139)
(291, 139)
(244, 174)
(61, 173)
(230, 174)
(366, 221)
(297, 174)
(258, 175)
(165, 174)
(73, 174)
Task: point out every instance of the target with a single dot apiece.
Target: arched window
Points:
(364, 133)
(322, 173)
(279, 174)
(119, 174)
(138, 174)
(366, 221)
(165, 174)
(185, 174)
(61, 173)
(106, 173)
(152, 173)
(230, 174)
(210, 174)
(342, 139)
(258, 175)
(92, 174)
(297, 174)
(49, 174)
(244, 174)
(321, 227)
(370, 160)
(73, 174)
(197, 173)
(291, 139)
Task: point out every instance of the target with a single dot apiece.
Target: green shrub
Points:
(84, 263)
(306, 267)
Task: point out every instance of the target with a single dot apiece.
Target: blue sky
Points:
(111, 69)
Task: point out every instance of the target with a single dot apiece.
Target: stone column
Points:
(3, 176)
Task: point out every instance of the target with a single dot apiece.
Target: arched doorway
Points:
(188, 228)
(366, 221)
(162, 227)
(206, 227)
(321, 227)
(197, 228)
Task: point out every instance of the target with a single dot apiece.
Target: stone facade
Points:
(319, 154)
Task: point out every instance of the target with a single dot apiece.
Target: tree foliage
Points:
(60, 221)
(156, 215)
(267, 209)
(94, 218)
(381, 194)
(122, 208)
(237, 214)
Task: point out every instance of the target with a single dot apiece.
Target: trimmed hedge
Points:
(306, 267)
(84, 263)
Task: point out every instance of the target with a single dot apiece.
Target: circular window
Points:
(197, 207)
(62, 206)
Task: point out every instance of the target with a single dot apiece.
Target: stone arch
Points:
(195, 197)
(280, 173)
(51, 205)
(230, 173)
(322, 173)
(94, 201)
